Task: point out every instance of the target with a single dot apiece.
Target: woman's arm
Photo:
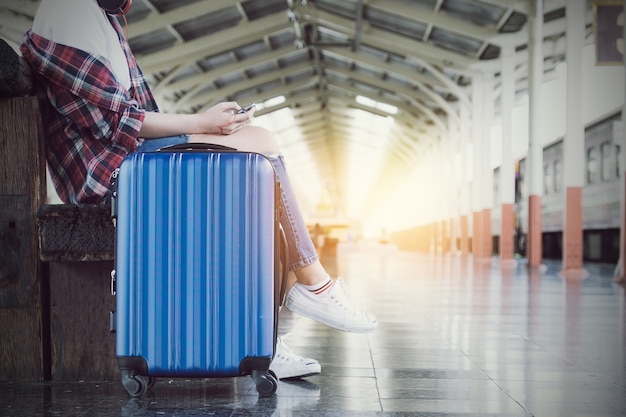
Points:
(221, 119)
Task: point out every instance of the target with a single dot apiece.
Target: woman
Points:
(101, 109)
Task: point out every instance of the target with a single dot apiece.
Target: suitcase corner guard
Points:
(133, 363)
(256, 363)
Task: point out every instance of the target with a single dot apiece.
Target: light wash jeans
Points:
(301, 249)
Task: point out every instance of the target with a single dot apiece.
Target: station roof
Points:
(355, 89)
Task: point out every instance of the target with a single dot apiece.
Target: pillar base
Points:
(483, 259)
(509, 263)
(537, 268)
(574, 273)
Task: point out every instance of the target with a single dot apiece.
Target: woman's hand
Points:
(224, 118)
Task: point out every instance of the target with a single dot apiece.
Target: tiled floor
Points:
(456, 338)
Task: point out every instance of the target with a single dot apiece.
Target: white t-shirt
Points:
(82, 24)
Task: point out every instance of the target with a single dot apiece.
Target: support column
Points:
(441, 215)
(507, 168)
(486, 168)
(535, 148)
(445, 236)
(574, 143)
(455, 181)
(620, 271)
(431, 164)
(448, 207)
(478, 161)
(464, 184)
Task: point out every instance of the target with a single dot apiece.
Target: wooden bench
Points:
(55, 260)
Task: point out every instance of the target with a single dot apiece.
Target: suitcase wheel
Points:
(136, 385)
(266, 382)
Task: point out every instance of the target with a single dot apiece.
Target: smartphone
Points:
(246, 108)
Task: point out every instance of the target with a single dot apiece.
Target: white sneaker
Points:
(331, 308)
(287, 364)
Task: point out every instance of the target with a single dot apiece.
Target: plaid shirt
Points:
(92, 122)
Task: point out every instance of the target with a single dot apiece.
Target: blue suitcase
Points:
(196, 266)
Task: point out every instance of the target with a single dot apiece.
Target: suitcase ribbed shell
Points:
(195, 261)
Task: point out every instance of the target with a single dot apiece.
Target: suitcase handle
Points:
(284, 259)
(197, 147)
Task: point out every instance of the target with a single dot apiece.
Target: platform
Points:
(457, 337)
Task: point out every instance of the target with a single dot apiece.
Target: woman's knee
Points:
(248, 139)
(260, 139)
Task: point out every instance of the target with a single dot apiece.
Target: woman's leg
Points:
(315, 295)
(287, 364)
(303, 258)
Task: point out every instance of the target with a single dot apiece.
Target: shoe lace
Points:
(342, 284)
(340, 297)
(284, 352)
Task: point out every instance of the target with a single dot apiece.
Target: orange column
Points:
(437, 227)
(533, 248)
(452, 247)
(444, 237)
(464, 236)
(574, 144)
(507, 168)
(573, 231)
(486, 235)
(535, 148)
(507, 233)
(477, 235)
(432, 233)
(434, 238)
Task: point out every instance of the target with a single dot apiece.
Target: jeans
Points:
(301, 249)
(299, 243)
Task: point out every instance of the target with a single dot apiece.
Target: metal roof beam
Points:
(229, 39)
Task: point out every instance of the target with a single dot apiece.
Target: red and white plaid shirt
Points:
(93, 121)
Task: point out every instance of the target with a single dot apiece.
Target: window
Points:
(592, 165)
(605, 151)
(593, 246)
(558, 176)
(547, 179)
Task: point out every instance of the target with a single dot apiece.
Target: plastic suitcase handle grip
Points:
(196, 146)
